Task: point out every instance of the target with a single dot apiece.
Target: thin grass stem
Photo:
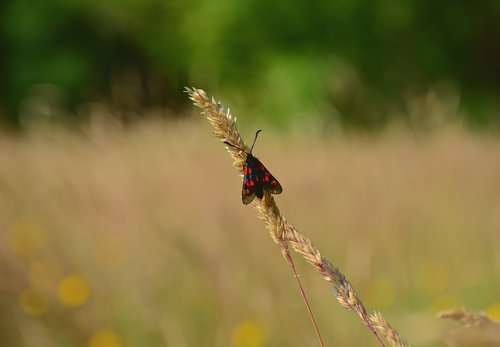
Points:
(289, 259)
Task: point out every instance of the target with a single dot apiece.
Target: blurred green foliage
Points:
(355, 62)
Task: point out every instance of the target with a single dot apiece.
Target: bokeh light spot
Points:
(26, 239)
(248, 333)
(380, 293)
(104, 338)
(33, 302)
(445, 302)
(493, 311)
(433, 277)
(73, 290)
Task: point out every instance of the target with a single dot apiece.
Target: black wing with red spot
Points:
(250, 184)
(256, 179)
(268, 181)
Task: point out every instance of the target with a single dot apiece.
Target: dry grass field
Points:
(138, 237)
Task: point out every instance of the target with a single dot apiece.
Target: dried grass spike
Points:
(387, 330)
(468, 319)
(284, 233)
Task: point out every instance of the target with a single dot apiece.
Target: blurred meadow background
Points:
(121, 222)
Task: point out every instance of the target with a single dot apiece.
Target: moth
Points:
(256, 178)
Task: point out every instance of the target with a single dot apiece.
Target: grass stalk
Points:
(285, 234)
(288, 257)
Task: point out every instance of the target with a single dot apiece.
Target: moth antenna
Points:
(255, 139)
(234, 146)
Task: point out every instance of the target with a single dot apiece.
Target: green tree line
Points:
(352, 61)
